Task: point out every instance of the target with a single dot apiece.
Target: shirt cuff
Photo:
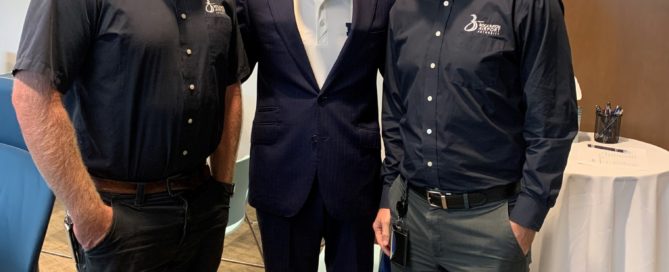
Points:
(529, 212)
(384, 203)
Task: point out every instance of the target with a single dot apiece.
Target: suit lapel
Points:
(284, 20)
(363, 16)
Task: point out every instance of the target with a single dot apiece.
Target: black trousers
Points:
(293, 244)
(181, 231)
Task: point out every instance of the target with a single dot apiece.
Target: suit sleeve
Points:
(392, 111)
(550, 101)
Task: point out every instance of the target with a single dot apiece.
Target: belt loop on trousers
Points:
(465, 198)
(139, 196)
(168, 185)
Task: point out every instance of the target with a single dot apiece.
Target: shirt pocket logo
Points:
(214, 9)
(480, 27)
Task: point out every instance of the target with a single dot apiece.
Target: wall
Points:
(621, 54)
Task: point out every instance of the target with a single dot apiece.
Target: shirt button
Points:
(184, 153)
(429, 164)
(438, 33)
(191, 87)
(189, 52)
(433, 65)
(429, 98)
(190, 121)
(183, 16)
(429, 131)
(446, 3)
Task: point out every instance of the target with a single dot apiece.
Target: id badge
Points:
(399, 243)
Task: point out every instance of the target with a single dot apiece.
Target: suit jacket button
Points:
(322, 100)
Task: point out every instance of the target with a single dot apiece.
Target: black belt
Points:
(448, 200)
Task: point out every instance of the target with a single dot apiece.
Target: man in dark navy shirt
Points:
(152, 90)
(478, 117)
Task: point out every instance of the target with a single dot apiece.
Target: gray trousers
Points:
(478, 239)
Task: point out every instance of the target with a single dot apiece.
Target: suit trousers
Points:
(179, 231)
(478, 239)
(292, 244)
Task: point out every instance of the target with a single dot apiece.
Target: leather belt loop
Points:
(169, 187)
(465, 198)
(139, 196)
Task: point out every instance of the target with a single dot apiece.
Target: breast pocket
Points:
(474, 59)
(219, 30)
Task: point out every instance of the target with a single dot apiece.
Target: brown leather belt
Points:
(172, 184)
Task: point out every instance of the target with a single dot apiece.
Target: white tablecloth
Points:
(608, 218)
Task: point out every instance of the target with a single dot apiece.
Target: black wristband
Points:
(229, 187)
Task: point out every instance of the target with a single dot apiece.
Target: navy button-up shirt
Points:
(145, 81)
(480, 93)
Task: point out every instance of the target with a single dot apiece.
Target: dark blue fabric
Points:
(300, 131)
(384, 263)
(480, 93)
(293, 244)
(145, 80)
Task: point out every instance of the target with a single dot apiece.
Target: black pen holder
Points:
(607, 128)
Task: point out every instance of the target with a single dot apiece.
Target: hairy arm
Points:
(50, 137)
(224, 157)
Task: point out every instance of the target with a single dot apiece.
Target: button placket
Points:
(189, 78)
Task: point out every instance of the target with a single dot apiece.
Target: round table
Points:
(608, 217)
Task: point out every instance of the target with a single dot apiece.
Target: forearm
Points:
(224, 157)
(50, 137)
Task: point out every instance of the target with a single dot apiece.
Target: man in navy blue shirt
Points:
(152, 90)
(478, 117)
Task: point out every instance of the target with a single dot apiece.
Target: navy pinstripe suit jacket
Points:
(302, 133)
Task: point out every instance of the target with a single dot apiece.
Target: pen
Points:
(606, 148)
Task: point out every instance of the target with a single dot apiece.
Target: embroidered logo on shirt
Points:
(214, 8)
(482, 28)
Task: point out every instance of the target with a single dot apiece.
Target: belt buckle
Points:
(442, 197)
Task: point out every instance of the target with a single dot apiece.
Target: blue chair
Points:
(237, 213)
(25, 199)
(10, 133)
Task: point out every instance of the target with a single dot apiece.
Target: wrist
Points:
(228, 185)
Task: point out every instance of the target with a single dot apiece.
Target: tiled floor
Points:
(238, 246)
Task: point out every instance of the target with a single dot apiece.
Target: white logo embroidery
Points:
(482, 28)
(214, 8)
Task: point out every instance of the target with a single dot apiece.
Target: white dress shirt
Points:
(323, 28)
